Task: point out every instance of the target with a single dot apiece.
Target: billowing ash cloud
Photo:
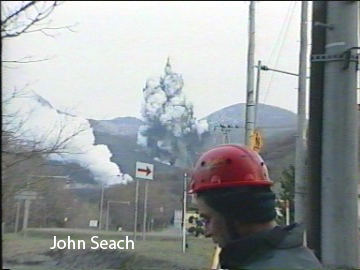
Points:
(170, 126)
(36, 123)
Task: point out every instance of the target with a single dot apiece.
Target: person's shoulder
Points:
(293, 258)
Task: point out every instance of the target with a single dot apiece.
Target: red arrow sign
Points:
(148, 171)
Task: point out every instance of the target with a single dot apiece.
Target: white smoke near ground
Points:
(170, 126)
(64, 137)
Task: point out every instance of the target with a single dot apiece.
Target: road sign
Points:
(256, 140)
(26, 195)
(144, 170)
(93, 223)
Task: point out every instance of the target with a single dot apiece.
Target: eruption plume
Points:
(170, 128)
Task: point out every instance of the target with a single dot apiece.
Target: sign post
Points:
(136, 206)
(145, 208)
(17, 216)
(143, 171)
(27, 196)
(26, 214)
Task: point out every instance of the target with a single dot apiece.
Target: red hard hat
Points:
(229, 165)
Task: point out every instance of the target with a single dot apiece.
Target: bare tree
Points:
(24, 155)
(28, 17)
(19, 18)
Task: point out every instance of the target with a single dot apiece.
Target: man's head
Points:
(232, 189)
(230, 213)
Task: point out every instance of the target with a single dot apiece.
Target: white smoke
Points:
(168, 116)
(35, 122)
(162, 161)
(201, 126)
(142, 140)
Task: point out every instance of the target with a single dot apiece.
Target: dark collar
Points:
(246, 249)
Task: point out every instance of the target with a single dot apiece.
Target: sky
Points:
(99, 69)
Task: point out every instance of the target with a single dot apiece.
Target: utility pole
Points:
(107, 216)
(226, 132)
(258, 75)
(250, 103)
(340, 231)
(226, 137)
(315, 130)
(136, 207)
(101, 205)
(145, 208)
(184, 214)
(287, 212)
(300, 158)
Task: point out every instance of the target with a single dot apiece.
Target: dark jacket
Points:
(279, 248)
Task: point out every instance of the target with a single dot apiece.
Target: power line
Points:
(281, 47)
(286, 23)
(281, 31)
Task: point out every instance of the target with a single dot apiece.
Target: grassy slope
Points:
(165, 251)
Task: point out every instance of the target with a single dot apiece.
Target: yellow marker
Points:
(256, 141)
(215, 263)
